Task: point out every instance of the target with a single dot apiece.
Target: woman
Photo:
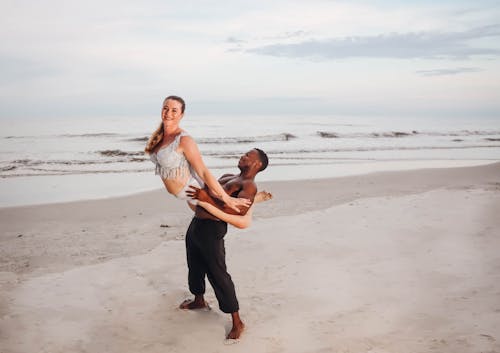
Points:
(178, 160)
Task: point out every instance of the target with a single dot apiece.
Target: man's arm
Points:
(248, 191)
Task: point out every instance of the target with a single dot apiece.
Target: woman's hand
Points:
(236, 202)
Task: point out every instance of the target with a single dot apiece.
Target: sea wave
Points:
(98, 134)
(119, 153)
(92, 135)
(120, 156)
(399, 134)
(383, 148)
(285, 136)
(291, 152)
(54, 172)
(22, 163)
(16, 137)
(139, 139)
(276, 161)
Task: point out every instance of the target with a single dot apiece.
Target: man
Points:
(205, 241)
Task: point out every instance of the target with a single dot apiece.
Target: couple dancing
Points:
(215, 203)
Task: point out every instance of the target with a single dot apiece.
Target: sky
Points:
(380, 57)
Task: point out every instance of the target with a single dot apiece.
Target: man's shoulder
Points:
(248, 184)
(227, 175)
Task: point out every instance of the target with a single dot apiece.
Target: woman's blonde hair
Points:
(157, 135)
(155, 139)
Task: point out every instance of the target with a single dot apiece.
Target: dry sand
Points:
(387, 262)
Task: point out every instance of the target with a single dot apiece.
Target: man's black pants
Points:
(206, 255)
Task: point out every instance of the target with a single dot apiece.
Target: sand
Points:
(385, 262)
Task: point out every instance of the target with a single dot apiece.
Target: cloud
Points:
(447, 72)
(282, 36)
(428, 45)
(288, 35)
(234, 40)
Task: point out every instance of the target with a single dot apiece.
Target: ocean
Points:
(58, 160)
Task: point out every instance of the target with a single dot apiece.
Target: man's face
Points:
(249, 159)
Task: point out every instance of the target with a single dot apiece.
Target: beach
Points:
(399, 261)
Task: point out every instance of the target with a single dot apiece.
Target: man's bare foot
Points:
(238, 327)
(189, 304)
(262, 196)
(236, 331)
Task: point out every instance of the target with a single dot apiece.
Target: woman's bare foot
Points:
(262, 196)
(197, 303)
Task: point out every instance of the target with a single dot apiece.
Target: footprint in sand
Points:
(488, 337)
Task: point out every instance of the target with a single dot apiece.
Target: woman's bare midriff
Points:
(174, 186)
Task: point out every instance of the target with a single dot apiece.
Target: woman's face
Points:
(171, 111)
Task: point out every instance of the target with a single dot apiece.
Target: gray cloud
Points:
(446, 72)
(234, 40)
(288, 35)
(283, 36)
(394, 45)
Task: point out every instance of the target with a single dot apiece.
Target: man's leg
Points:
(220, 279)
(197, 269)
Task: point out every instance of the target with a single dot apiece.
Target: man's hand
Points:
(198, 194)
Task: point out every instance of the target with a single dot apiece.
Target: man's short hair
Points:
(263, 159)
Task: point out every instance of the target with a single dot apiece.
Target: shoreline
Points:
(46, 190)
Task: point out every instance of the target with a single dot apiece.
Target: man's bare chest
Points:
(232, 185)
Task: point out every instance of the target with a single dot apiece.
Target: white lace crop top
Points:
(171, 164)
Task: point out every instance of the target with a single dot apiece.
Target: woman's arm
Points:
(193, 156)
(235, 220)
